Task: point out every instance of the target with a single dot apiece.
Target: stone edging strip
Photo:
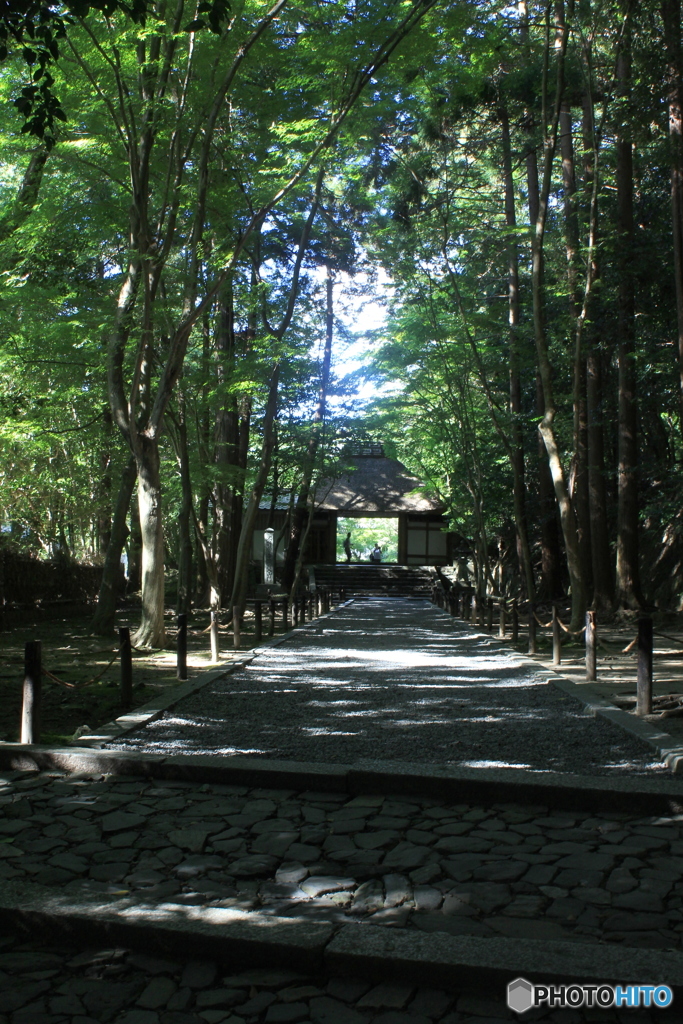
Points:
(473, 785)
(663, 743)
(382, 954)
(164, 702)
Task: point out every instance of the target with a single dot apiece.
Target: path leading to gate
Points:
(396, 681)
(249, 890)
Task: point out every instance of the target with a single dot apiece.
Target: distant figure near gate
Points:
(376, 554)
(347, 547)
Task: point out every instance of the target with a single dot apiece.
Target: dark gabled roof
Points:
(376, 484)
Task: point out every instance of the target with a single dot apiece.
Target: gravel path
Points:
(398, 681)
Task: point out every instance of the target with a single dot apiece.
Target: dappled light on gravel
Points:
(399, 682)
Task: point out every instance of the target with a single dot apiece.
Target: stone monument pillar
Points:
(269, 555)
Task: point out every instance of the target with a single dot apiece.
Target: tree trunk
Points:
(105, 613)
(134, 547)
(185, 550)
(601, 559)
(151, 632)
(303, 509)
(578, 477)
(104, 516)
(239, 590)
(628, 593)
(225, 446)
(27, 197)
(671, 16)
(516, 430)
(603, 581)
(547, 424)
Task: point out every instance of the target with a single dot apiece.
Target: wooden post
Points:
(532, 629)
(591, 647)
(501, 620)
(30, 709)
(285, 614)
(302, 608)
(236, 632)
(181, 647)
(126, 667)
(482, 613)
(557, 638)
(214, 636)
(489, 615)
(515, 622)
(271, 617)
(258, 622)
(644, 688)
(342, 595)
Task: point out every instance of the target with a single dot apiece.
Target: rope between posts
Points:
(78, 686)
(571, 632)
(667, 637)
(544, 625)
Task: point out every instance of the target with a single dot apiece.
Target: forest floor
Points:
(617, 667)
(73, 654)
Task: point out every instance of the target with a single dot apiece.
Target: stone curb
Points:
(663, 743)
(172, 929)
(473, 785)
(155, 708)
(381, 954)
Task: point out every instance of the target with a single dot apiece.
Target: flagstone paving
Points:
(506, 870)
(43, 984)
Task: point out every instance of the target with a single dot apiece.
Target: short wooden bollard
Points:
(258, 622)
(236, 630)
(213, 633)
(342, 595)
(489, 615)
(532, 629)
(557, 638)
(32, 691)
(644, 686)
(181, 647)
(302, 609)
(271, 617)
(501, 621)
(514, 615)
(126, 658)
(591, 647)
(285, 614)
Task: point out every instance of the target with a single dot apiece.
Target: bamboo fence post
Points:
(126, 658)
(591, 647)
(644, 685)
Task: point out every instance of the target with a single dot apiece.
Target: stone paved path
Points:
(42, 984)
(508, 870)
(398, 681)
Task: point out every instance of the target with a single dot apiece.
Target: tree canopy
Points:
(186, 189)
